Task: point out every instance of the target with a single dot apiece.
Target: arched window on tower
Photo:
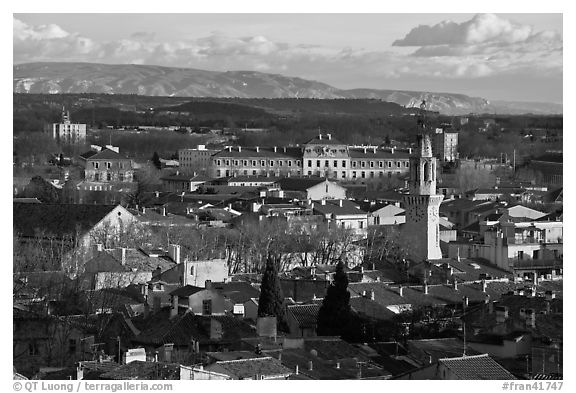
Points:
(426, 171)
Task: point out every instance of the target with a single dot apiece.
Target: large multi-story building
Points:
(256, 161)
(195, 160)
(446, 144)
(67, 132)
(107, 165)
(321, 156)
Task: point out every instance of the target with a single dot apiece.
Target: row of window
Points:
(107, 165)
(354, 174)
(363, 164)
(288, 163)
(108, 177)
(97, 188)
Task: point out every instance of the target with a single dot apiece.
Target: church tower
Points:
(421, 233)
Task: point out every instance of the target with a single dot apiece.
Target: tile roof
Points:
(387, 295)
(476, 367)
(299, 183)
(249, 152)
(437, 348)
(57, 219)
(250, 368)
(332, 206)
(324, 139)
(103, 262)
(186, 291)
(305, 314)
(159, 329)
(136, 259)
(186, 177)
(370, 308)
(380, 153)
(105, 154)
(145, 371)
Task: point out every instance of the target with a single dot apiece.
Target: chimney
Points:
(157, 193)
(530, 318)
(337, 365)
(455, 285)
(329, 136)
(465, 301)
(323, 202)
(310, 365)
(257, 149)
(361, 269)
(208, 284)
(146, 309)
(371, 294)
(365, 150)
(174, 252)
(229, 148)
(296, 371)
(392, 150)
(364, 293)
(123, 251)
(425, 288)
(401, 291)
(532, 292)
(409, 150)
(174, 308)
(99, 247)
(483, 285)
(275, 149)
(143, 210)
(284, 149)
(374, 150)
(164, 211)
(340, 203)
(320, 136)
(501, 313)
(239, 148)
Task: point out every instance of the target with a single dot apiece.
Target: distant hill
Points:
(147, 80)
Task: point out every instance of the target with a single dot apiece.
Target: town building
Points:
(321, 156)
(195, 160)
(183, 182)
(421, 231)
(107, 165)
(67, 132)
(446, 145)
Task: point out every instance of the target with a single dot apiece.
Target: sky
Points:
(495, 56)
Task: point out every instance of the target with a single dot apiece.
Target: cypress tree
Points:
(156, 161)
(335, 313)
(271, 302)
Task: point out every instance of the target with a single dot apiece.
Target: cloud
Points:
(482, 28)
(484, 47)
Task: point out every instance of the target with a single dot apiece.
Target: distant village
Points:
(316, 261)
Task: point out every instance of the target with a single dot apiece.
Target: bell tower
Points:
(421, 231)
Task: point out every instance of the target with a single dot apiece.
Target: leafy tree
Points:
(41, 189)
(335, 313)
(156, 161)
(271, 302)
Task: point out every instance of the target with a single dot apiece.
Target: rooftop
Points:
(476, 367)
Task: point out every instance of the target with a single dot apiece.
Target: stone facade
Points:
(421, 231)
(321, 156)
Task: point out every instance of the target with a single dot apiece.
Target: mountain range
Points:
(150, 80)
